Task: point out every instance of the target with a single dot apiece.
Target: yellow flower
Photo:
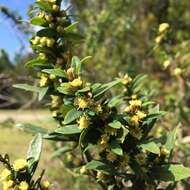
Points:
(128, 109)
(5, 174)
(140, 114)
(126, 79)
(46, 184)
(23, 185)
(135, 120)
(43, 80)
(164, 151)
(134, 97)
(8, 184)
(83, 122)
(42, 56)
(82, 102)
(36, 40)
(55, 8)
(52, 1)
(166, 63)
(177, 71)
(76, 83)
(163, 27)
(104, 139)
(100, 176)
(55, 101)
(49, 18)
(20, 164)
(159, 39)
(98, 108)
(83, 170)
(43, 41)
(111, 156)
(41, 15)
(50, 42)
(135, 103)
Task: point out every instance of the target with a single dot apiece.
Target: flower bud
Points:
(43, 41)
(163, 27)
(56, 8)
(49, 18)
(50, 42)
(60, 29)
(83, 122)
(70, 74)
(52, 1)
(42, 56)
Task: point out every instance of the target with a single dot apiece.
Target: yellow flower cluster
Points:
(46, 184)
(162, 30)
(44, 79)
(7, 177)
(100, 176)
(134, 108)
(76, 83)
(7, 185)
(43, 41)
(23, 185)
(83, 122)
(55, 101)
(5, 174)
(126, 79)
(20, 164)
(82, 102)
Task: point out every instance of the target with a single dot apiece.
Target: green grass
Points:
(15, 143)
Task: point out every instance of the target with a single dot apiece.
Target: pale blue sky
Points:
(8, 39)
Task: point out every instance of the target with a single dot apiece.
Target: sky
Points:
(8, 39)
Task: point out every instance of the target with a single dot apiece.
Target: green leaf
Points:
(137, 82)
(47, 32)
(72, 115)
(76, 65)
(61, 151)
(170, 172)
(86, 59)
(37, 63)
(45, 6)
(122, 133)
(150, 146)
(56, 72)
(65, 88)
(34, 152)
(101, 89)
(98, 166)
(115, 124)
(115, 101)
(153, 116)
(116, 148)
(27, 87)
(32, 128)
(71, 27)
(68, 130)
(171, 138)
(38, 21)
(42, 92)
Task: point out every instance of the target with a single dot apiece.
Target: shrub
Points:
(105, 127)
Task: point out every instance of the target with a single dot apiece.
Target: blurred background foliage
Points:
(120, 35)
